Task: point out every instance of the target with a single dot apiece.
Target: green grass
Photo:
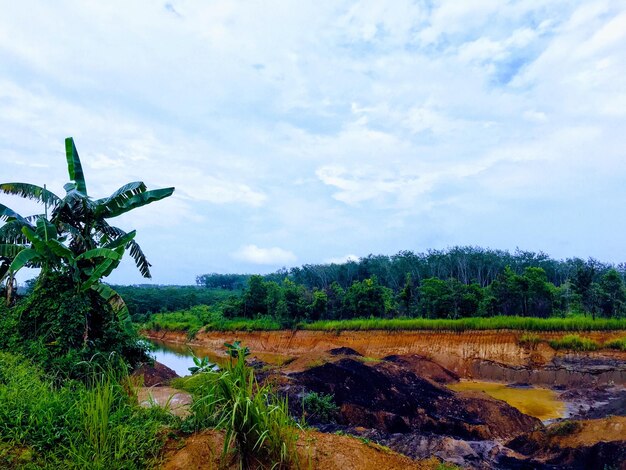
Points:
(529, 339)
(96, 426)
(576, 324)
(207, 318)
(574, 343)
(619, 344)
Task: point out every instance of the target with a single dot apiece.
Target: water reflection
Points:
(179, 357)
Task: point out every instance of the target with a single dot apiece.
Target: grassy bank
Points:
(97, 425)
(575, 324)
(207, 318)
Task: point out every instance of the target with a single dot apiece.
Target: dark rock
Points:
(344, 351)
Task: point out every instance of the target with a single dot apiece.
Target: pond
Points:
(541, 403)
(179, 357)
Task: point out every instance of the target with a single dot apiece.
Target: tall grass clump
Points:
(530, 340)
(574, 343)
(112, 431)
(256, 422)
(577, 324)
(619, 344)
(95, 425)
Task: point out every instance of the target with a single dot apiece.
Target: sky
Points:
(315, 131)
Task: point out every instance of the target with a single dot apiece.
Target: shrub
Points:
(564, 428)
(320, 407)
(49, 327)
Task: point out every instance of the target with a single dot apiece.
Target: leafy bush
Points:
(49, 327)
(574, 343)
(564, 428)
(320, 407)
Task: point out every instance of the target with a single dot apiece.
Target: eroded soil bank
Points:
(484, 355)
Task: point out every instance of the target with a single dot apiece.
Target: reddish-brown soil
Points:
(490, 355)
(315, 451)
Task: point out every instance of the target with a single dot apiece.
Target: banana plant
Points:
(77, 237)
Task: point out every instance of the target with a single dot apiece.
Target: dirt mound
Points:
(596, 443)
(315, 451)
(424, 367)
(155, 376)
(344, 351)
(390, 398)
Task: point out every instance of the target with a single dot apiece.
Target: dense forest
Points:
(454, 283)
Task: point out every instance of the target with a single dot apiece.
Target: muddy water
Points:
(539, 402)
(179, 357)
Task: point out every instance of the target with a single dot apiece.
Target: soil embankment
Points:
(486, 355)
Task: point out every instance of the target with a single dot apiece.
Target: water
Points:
(541, 403)
(179, 357)
(178, 361)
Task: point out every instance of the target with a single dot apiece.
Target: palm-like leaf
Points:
(119, 197)
(100, 253)
(74, 168)
(138, 200)
(9, 250)
(11, 232)
(45, 230)
(23, 258)
(115, 301)
(115, 233)
(7, 214)
(31, 191)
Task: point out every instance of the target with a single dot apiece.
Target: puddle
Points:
(539, 402)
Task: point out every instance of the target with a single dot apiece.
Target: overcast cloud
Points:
(302, 132)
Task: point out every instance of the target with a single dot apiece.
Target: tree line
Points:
(455, 283)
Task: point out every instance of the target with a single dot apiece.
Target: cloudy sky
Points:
(308, 131)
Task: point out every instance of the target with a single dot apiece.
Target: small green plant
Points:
(320, 406)
(564, 428)
(530, 340)
(575, 343)
(619, 344)
(200, 364)
(236, 350)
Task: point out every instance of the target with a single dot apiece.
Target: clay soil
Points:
(316, 450)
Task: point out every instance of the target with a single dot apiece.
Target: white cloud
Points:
(341, 259)
(319, 125)
(273, 256)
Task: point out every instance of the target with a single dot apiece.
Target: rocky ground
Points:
(402, 403)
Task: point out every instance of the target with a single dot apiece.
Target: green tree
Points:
(75, 247)
(255, 297)
(612, 294)
(77, 237)
(367, 298)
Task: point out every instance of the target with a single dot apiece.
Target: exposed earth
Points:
(403, 401)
